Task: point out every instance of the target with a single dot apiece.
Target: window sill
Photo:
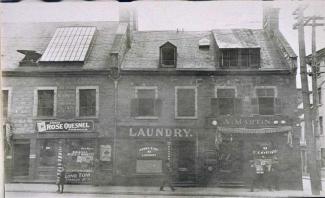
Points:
(94, 118)
(146, 118)
(44, 118)
(185, 118)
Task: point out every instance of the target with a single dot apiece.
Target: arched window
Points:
(168, 53)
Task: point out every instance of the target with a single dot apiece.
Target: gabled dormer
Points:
(168, 55)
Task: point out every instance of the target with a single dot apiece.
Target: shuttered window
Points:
(146, 104)
(87, 102)
(186, 102)
(45, 103)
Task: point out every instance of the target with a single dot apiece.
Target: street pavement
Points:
(49, 190)
(69, 195)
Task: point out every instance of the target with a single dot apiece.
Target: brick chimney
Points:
(128, 14)
(271, 20)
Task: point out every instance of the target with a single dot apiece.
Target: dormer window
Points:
(204, 44)
(240, 58)
(168, 53)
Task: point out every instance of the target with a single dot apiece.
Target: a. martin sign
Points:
(65, 126)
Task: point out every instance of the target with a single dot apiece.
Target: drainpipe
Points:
(115, 76)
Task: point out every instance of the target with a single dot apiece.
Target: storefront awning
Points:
(255, 131)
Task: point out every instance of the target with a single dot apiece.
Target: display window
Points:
(48, 153)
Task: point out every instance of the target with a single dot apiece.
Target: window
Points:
(87, 101)
(226, 102)
(168, 55)
(230, 58)
(5, 102)
(149, 157)
(319, 91)
(321, 128)
(186, 102)
(266, 101)
(146, 103)
(45, 101)
(323, 156)
(244, 58)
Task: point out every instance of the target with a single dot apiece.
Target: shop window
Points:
(226, 102)
(186, 102)
(48, 153)
(5, 99)
(267, 102)
(321, 128)
(146, 104)
(87, 101)
(168, 53)
(45, 102)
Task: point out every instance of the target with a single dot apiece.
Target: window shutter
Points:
(238, 105)
(214, 102)
(158, 105)
(277, 106)
(134, 107)
(254, 105)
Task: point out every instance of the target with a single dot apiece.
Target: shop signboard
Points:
(156, 132)
(249, 122)
(65, 126)
(78, 177)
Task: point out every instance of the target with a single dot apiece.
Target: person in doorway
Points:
(167, 178)
(61, 180)
(258, 174)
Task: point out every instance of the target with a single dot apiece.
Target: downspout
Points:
(115, 76)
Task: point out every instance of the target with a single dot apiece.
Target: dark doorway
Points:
(184, 162)
(21, 160)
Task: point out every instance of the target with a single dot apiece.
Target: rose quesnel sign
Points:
(65, 126)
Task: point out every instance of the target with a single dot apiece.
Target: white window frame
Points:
(78, 88)
(35, 106)
(176, 106)
(155, 88)
(224, 87)
(9, 89)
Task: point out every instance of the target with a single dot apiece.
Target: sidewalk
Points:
(137, 190)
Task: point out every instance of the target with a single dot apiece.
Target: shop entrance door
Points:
(21, 160)
(230, 161)
(184, 162)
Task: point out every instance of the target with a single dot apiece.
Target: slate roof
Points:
(36, 36)
(144, 52)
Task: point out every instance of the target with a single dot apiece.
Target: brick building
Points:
(205, 101)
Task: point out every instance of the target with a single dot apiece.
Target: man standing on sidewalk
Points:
(167, 178)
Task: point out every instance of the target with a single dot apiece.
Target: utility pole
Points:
(315, 90)
(310, 138)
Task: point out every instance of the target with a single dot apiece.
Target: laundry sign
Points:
(65, 126)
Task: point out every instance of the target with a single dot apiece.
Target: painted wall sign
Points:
(148, 151)
(105, 153)
(78, 177)
(156, 132)
(249, 122)
(65, 126)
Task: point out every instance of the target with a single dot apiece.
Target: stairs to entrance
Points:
(230, 184)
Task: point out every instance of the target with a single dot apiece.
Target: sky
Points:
(172, 15)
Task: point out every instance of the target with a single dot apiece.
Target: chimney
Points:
(271, 20)
(128, 14)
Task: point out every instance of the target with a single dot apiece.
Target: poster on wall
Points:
(79, 162)
(105, 153)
